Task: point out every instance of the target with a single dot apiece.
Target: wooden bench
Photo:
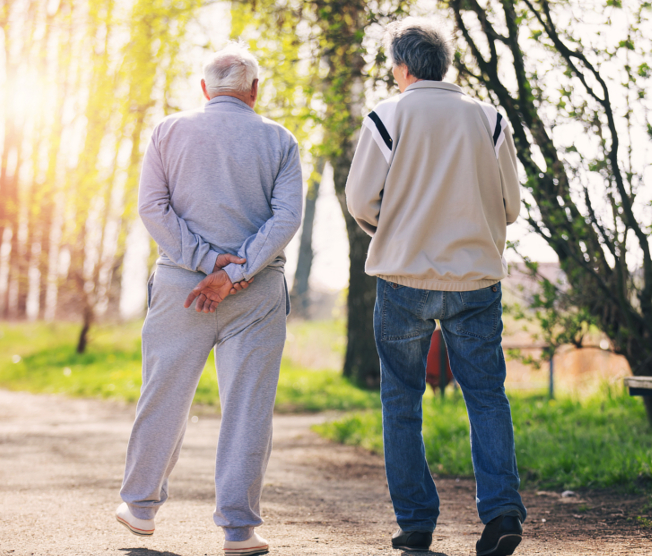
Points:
(639, 385)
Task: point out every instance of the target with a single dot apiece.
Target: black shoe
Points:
(500, 537)
(412, 540)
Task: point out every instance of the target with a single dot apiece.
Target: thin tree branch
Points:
(605, 102)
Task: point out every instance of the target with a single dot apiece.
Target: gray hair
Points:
(421, 45)
(233, 69)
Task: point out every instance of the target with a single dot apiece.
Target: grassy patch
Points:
(41, 358)
(302, 390)
(597, 442)
(644, 522)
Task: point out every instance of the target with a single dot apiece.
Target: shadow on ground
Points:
(146, 552)
(429, 553)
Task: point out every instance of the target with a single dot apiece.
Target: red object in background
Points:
(438, 359)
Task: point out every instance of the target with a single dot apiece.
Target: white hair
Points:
(233, 68)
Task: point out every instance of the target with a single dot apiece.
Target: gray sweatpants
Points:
(248, 333)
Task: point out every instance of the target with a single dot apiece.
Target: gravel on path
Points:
(61, 464)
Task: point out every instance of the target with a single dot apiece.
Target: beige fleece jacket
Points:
(434, 181)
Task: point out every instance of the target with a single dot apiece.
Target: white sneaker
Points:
(254, 545)
(140, 527)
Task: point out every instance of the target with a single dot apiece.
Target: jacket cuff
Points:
(235, 272)
(208, 262)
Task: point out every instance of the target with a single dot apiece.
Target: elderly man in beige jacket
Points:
(434, 182)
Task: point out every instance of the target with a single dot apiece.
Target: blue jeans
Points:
(471, 322)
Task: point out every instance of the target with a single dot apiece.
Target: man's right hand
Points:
(224, 259)
(211, 291)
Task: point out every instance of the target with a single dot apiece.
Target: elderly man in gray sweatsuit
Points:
(221, 194)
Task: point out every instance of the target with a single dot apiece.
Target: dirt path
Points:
(61, 464)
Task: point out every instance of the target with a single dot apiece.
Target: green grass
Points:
(644, 522)
(569, 443)
(41, 358)
(48, 363)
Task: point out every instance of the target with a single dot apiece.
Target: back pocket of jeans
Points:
(482, 312)
(401, 312)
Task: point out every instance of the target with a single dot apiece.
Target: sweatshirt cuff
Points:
(207, 264)
(235, 272)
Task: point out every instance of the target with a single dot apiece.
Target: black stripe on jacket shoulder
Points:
(498, 128)
(381, 129)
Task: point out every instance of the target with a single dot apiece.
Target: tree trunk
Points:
(301, 289)
(25, 261)
(10, 211)
(83, 335)
(13, 281)
(361, 363)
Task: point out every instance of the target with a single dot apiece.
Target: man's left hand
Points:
(211, 291)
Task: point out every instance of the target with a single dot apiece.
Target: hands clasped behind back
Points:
(213, 289)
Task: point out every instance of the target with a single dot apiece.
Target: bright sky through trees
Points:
(67, 65)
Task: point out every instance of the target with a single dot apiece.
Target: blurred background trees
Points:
(340, 71)
(84, 82)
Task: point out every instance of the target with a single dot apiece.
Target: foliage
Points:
(549, 316)
(566, 444)
(83, 80)
(329, 51)
(559, 75)
(42, 358)
(287, 85)
(573, 78)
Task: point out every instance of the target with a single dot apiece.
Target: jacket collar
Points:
(434, 85)
(230, 100)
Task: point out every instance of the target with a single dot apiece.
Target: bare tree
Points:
(584, 196)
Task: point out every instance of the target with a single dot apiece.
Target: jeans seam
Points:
(383, 336)
(422, 304)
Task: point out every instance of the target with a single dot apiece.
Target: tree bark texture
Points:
(301, 288)
(342, 24)
(86, 326)
(361, 363)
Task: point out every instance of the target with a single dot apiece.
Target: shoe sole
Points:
(504, 547)
(135, 530)
(410, 548)
(255, 551)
